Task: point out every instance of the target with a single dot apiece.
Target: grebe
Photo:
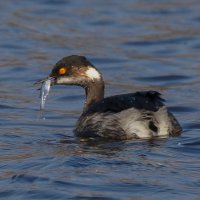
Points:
(125, 116)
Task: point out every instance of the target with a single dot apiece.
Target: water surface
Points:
(137, 45)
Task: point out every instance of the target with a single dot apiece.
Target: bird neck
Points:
(94, 92)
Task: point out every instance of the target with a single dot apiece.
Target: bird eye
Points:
(62, 71)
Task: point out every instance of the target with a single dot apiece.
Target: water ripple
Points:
(160, 42)
(137, 45)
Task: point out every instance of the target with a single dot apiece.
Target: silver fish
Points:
(46, 85)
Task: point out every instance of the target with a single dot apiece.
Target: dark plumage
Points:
(149, 100)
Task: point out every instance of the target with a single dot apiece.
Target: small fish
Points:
(46, 85)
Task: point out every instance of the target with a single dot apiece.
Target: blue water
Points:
(137, 45)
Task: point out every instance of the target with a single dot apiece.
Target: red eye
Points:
(62, 71)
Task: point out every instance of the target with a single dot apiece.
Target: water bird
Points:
(141, 114)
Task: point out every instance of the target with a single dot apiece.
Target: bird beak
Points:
(52, 79)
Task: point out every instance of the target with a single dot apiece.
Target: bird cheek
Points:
(60, 80)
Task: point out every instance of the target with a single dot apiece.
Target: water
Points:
(137, 45)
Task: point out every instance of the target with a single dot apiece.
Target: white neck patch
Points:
(92, 73)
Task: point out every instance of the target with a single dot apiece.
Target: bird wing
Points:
(149, 100)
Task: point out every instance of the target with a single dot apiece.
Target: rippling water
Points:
(137, 45)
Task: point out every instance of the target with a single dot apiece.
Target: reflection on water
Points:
(137, 45)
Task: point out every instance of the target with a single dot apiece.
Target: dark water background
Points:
(137, 45)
